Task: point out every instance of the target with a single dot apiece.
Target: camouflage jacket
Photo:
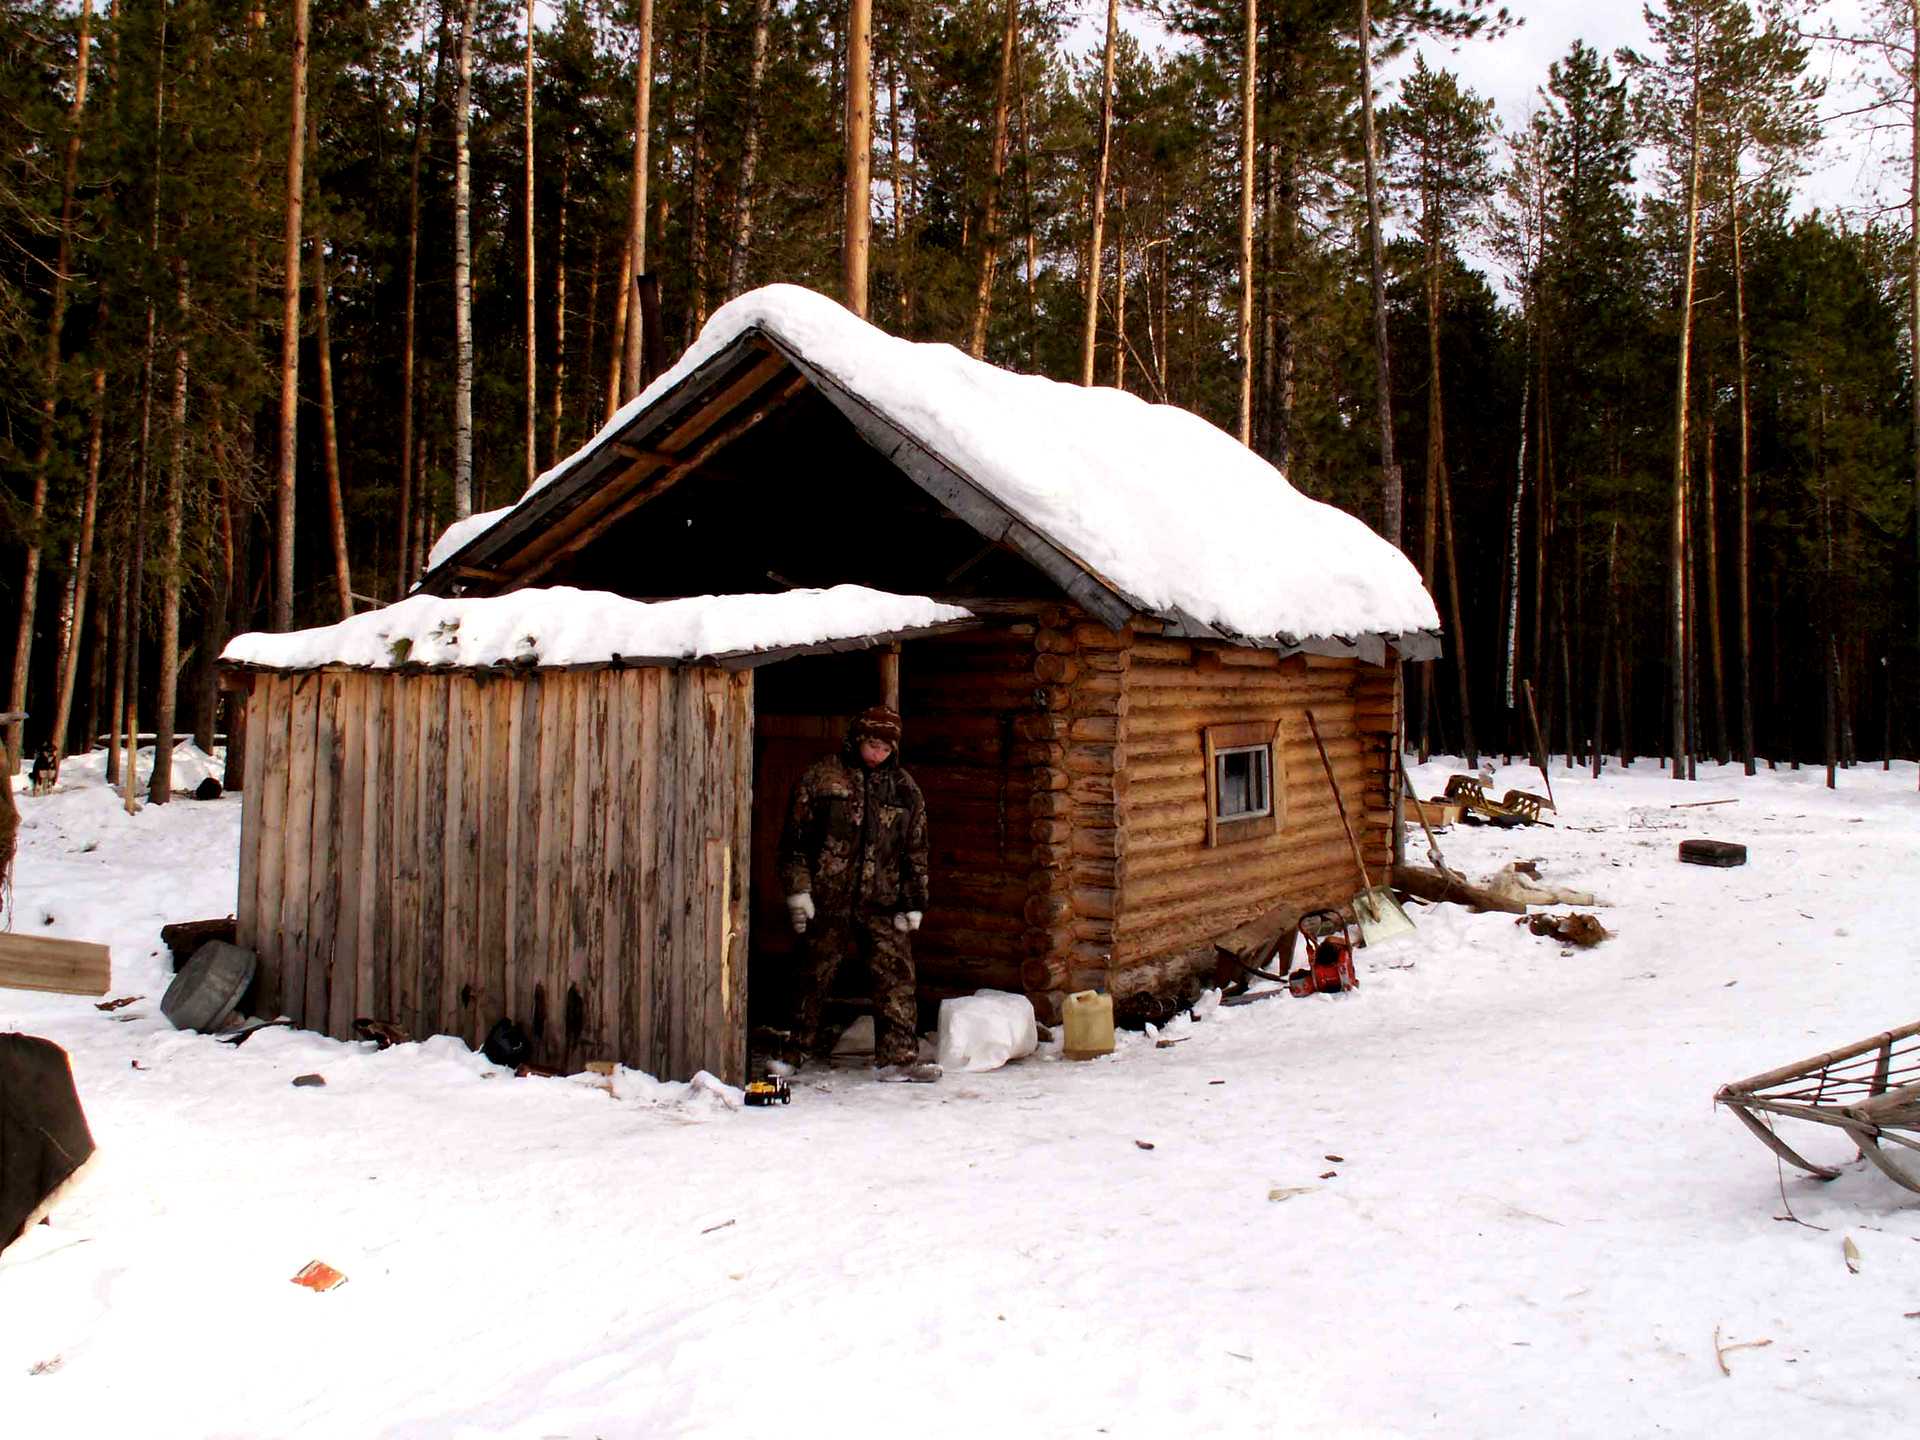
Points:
(856, 838)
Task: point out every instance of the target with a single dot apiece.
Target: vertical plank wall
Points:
(1177, 892)
(568, 849)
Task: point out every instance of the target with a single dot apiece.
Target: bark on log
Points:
(1425, 884)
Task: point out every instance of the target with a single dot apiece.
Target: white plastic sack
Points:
(985, 1030)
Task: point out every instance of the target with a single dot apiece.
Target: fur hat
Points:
(877, 722)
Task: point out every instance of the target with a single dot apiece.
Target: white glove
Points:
(800, 911)
(907, 920)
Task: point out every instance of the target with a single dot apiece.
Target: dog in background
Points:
(44, 770)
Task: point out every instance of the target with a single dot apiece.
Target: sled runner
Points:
(1870, 1089)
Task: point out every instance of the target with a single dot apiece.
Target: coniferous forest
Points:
(285, 289)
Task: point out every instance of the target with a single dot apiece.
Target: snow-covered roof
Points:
(559, 627)
(1171, 512)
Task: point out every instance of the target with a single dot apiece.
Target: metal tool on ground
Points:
(1380, 916)
(1328, 941)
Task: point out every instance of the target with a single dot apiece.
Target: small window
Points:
(1245, 791)
(1243, 782)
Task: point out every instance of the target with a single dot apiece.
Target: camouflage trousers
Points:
(834, 939)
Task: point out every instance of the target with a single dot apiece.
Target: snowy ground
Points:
(1505, 1205)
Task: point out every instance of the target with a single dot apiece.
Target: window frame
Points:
(1218, 741)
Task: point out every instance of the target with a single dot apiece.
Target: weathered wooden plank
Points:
(588, 892)
(343, 997)
(436, 776)
(523, 967)
(269, 730)
(246, 900)
(499, 704)
(559, 778)
(616, 885)
(373, 946)
(540, 1019)
(716, 841)
(663, 875)
(296, 893)
(642, 847)
(60, 967)
(404, 995)
(466, 756)
(323, 878)
(740, 898)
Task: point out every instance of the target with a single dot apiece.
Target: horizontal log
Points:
(1040, 727)
(1044, 831)
(1094, 902)
(1054, 642)
(1101, 844)
(1091, 758)
(1089, 636)
(1104, 662)
(1055, 669)
(1056, 616)
(1051, 882)
(1097, 729)
(1050, 803)
(1105, 788)
(1152, 647)
(1041, 781)
(1100, 816)
(1427, 884)
(1046, 911)
(1043, 753)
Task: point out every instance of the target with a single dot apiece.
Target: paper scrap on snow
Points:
(1164, 505)
(565, 626)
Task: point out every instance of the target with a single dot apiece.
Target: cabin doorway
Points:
(802, 708)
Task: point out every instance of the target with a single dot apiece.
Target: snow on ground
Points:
(1534, 1225)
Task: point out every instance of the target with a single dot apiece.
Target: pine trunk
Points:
(1243, 329)
(859, 197)
(1677, 553)
(626, 309)
(49, 396)
(1377, 269)
(83, 561)
(404, 573)
(532, 333)
(1099, 198)
(1743, 548)
(1436, 469)
(167, 681)
(463, 269)
(290, 332)
(749, 153)
(696, 183)
(990, 221)
(559, 411)
(330, 434)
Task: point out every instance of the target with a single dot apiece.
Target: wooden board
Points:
(64, 967)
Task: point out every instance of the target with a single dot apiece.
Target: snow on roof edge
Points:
(561, 626)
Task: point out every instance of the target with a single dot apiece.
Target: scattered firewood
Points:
(121, 1003)
(1144, 1144)
(309, 1082)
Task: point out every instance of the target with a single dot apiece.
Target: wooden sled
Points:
(1519, 807)
(1871, 1090)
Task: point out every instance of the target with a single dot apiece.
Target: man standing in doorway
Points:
(853, 858)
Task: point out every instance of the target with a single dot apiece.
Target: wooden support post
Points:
(890, 677)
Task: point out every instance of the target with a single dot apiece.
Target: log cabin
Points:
(1103, 621)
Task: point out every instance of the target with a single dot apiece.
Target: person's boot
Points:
(916, 1071)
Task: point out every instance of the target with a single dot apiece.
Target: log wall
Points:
(1176, 892)
(972, 719)
(565, 848)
